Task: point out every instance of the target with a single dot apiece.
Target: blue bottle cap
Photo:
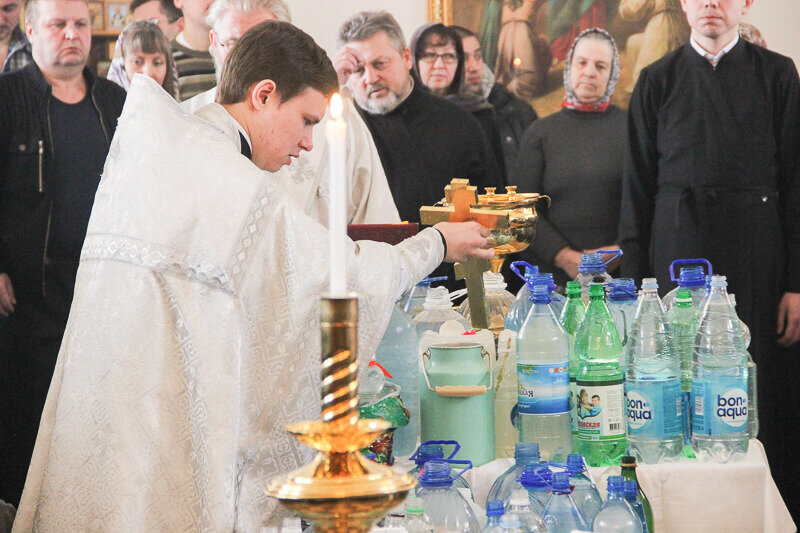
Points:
(622, 290)
(575, 463)
(526, 450)
(630, 490)
(540, 294)
(436, 474)
(494, 508)
(591, 263)
(428, 452)
(536, 477)
(615, 484)
(692, 276)
(560, 484)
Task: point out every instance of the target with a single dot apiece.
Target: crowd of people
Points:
(703, 164)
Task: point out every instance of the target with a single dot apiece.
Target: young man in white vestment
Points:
(306, 178)
(193, 337)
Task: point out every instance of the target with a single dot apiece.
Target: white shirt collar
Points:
(714, 59)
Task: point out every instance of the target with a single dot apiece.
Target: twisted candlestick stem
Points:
(338, 321)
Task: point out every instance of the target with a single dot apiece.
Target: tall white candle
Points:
(336, 136)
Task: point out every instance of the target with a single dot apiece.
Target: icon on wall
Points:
(116, 15)
(96, 16)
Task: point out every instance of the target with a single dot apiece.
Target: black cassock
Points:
(712, 172)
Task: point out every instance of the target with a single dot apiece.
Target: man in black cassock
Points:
(712, 171)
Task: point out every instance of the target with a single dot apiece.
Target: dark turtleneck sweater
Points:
(426, 142)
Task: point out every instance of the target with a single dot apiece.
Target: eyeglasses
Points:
(227, 45)
(431, 57)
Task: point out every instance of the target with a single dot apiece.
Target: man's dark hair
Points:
(280, 52)
(464, 32)
(167, 7)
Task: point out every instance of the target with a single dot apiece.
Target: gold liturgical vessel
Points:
(511, 219)
(340, 490)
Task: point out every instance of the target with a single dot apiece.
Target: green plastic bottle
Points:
(571, 317)
(628, 466)
(684, 318)
(600, 385)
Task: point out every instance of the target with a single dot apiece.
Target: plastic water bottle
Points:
(752, 380)
(494, 510)
(630, 491)
(506, 433)
(601, 409)
(519, 508)
(628, 467)
(397, 353)
(571, 317)
(518, 311)
(543, 379)
(413, 299)
(585, 493)
(437, 310)
(616, 515)
(654, 405)
(692, 278)
(433, 451)
(593, 270)
(511, 524)
(498, 301)
(525, 454)
(536, 479)
(622, 301)
(557, 301)
(416, 521)
(684, 319)
(719, 381)
(561, 515)
(446, 508)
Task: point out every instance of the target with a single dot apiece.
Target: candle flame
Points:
(337, 106)
(517, 62)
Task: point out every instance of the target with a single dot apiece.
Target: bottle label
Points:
(601, 410)
(573, 405)
(720, 406)
(543, 389)
(654, 408)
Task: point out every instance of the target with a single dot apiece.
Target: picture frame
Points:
(116, 15)
(97, 16)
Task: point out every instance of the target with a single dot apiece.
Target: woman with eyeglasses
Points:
(439, 67)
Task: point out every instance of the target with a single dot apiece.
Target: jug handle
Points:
(459, 391)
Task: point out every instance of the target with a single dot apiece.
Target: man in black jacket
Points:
(56, 124)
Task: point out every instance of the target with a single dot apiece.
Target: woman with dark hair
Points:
(575, 157)
(439, 65)
(146, 50)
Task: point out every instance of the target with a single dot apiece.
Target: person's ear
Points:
(28, 28)
(178, 4)
(408, 59)
(212, 37)
(261, 94)
(747, 5)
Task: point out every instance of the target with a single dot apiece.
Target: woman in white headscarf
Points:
(575, 157)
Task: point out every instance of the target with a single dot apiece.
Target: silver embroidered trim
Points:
(251, 232)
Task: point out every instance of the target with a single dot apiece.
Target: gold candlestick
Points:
(340, 490)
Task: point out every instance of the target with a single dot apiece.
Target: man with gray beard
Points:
(424, 141)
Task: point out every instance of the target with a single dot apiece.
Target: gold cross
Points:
(459, 206)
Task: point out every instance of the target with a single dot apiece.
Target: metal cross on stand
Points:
(460, 205)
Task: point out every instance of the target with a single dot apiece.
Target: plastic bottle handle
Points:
(700, 261)
(458, 390)
(515, 268)
(616, 253)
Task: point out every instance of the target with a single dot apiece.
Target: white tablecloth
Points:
(690, 496)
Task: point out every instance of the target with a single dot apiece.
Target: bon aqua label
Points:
(720, 406)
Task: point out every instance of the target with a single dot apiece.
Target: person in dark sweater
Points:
(714, 171)
(423, 140)
(511, 114)
(575, 157)
(56, 124)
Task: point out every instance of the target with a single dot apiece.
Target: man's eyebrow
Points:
(312, 119)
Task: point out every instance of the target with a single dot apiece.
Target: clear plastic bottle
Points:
(525, 454)
(506, 433)
(436, 311)
(433, 451)
(585, 493)
(498, 300)
(601, 409)
(397, 353)
(692, 277)
(719, 381)
(416, 520)
(752, 380)
(536, 479)
(519, 508)
(413, 299)
(446, 508)
(616, 515)
(631, 491)
(571, 317)
(593, 270)
(622, 302)
(561, 515)
(511, 524)
(628, 468)
(684, 319)
(654, 405)
(543, 380)
(494, 510)
(518, 311)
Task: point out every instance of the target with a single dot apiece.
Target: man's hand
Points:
(465, 240)
(346, 62)
(789, 319)
(7, 299)
(568, 260)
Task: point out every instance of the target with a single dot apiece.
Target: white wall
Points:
(779, 23)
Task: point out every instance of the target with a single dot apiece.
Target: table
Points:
(690, 496)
